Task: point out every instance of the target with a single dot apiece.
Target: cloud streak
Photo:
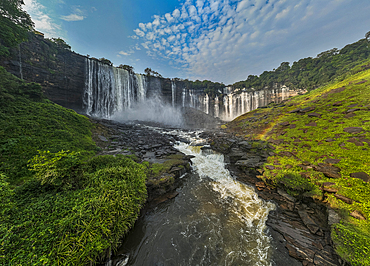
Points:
(42, 20)
(72, 17)
(215, 38)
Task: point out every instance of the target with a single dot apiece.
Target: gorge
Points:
(101, 90)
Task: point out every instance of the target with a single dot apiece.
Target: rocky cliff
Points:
(90, 86)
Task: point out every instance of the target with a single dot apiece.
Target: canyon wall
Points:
(92, 87)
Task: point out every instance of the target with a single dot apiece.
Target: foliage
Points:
(126, 67)
(72, 227)
(149, 72)
(61, 169)
(310, 73)
(29, 123)
(299, 145)
(61, 43)
(14, 24)
(70, 209)
(106, 61)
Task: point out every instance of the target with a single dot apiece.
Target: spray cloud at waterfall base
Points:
(120, 94)
(151, 110)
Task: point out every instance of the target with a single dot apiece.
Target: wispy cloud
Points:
(72, 17)
(215, 38)
(42, 20)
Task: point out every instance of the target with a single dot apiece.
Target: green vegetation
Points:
(311, 131)
(310, 73)
(59, 204)
(14, 25)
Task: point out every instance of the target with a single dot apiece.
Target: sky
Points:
(217, 40)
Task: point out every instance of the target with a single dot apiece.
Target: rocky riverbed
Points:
(300, 227)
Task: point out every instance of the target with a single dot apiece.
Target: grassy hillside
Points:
(321, 146)
(59, 205)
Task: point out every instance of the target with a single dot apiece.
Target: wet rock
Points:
(344, 199)
(358, 215)
(286, 195)
(308, 221)
(324, 257)
(328, 170)
(361, 175)
(252, 162)
(338, 103)
(102, 138)
(245, 145)
(353, 130)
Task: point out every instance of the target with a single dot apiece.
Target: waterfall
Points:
(173, 88)
(110, 90)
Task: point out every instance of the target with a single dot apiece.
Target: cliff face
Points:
(89, 86)
(60, 72)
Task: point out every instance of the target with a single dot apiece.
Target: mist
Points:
(151, 110)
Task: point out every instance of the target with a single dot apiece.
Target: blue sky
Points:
(218, 40)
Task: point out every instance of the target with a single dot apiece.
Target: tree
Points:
(61, 43)
(127, 67)
(149, 72)
(367, 36)
(14, 25)
(106, 61)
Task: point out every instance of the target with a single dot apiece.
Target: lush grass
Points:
(59, 205)
(29, 123)
(309, 145)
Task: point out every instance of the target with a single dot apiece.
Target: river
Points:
(215, 220)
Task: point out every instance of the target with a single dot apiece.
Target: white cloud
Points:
(42, 20)
(210, 36)
(126, 53)
(72, 17)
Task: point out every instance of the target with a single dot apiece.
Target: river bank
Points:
(299, 226)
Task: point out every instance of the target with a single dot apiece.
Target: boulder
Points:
(328, 170)
(353, 130)
(344, 199)
(361, 175)
(358, 215)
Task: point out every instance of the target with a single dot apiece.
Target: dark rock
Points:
(361, 175)
(333, 217)
(352, 110)
(270, 167)
(328, 170)
(286, 123)
(314, 115)
(353, 129)
(324, 257)
(294, 111)
(355, 141)
(308, 221)
(337, 104)
(311, 124)
(252, 162)
(332, 161)
(102, 138)
(344, 199)
(307, 109)
(329, 140)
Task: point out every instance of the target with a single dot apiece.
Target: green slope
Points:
(58, 204)
(321, 141)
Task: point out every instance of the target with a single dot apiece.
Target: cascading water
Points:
(111, 91)
(215, 220)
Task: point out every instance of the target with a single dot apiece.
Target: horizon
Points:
(191, 39)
